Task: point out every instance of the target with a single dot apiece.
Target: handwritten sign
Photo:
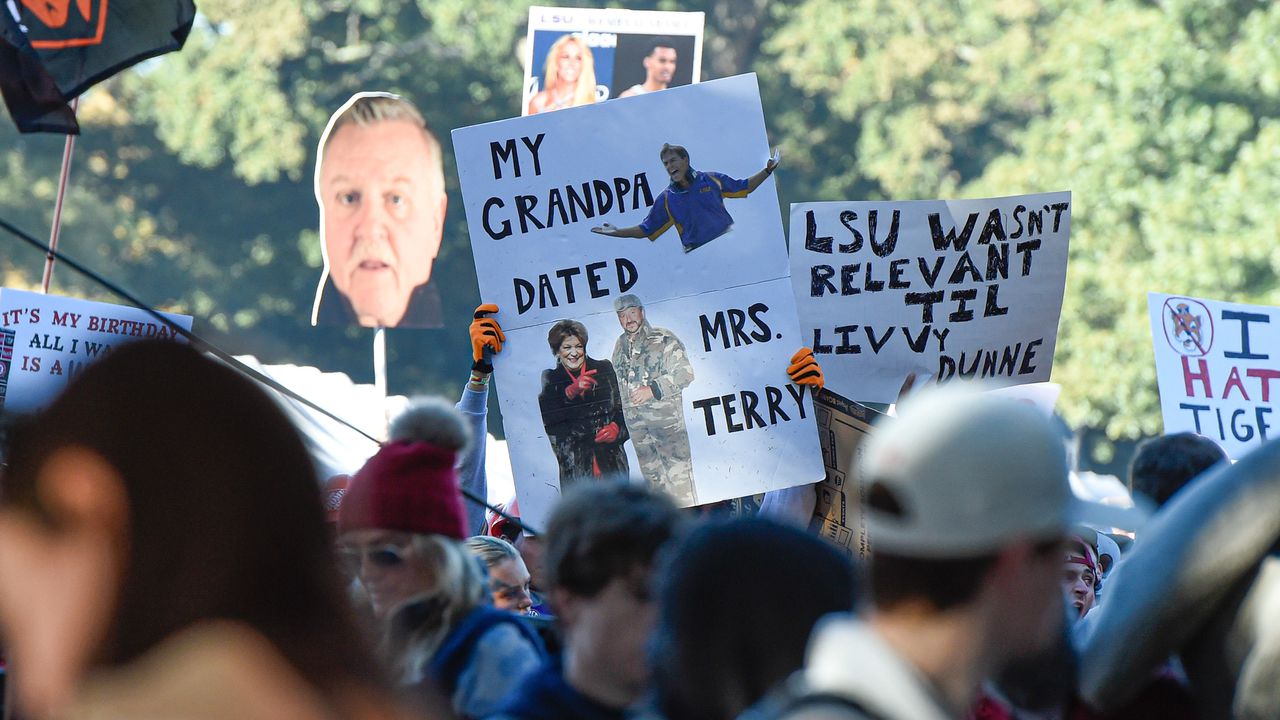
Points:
(657, 349)
(945, 288)
(45, 340)
(1216, 367)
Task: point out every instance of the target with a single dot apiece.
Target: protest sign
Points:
(580, 56)
(1214, 365)
(945, 288)
(683, 331)
(45, 340)
(840, 515)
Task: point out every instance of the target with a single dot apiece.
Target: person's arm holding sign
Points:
(486, 339)
(795, 505)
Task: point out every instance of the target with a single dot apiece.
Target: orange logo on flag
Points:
(61, 28)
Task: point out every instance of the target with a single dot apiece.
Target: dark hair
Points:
(564, 329)
(944, 583)
(1163, 465)
(225, 519)
(669, 148)
(604, 531)
(662, 41)
(712, 659)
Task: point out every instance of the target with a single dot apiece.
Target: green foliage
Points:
(192, 182)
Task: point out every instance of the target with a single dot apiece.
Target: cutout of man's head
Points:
(379, 182)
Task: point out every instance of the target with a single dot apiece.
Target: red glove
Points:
(608, 433)
(804, 369)
(581, 384)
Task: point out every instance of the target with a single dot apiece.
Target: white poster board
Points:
(45, 340)
(945, 288)
(1215, 367)
(579, 56)
(720, 323)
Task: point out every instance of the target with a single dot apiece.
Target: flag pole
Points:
(57, 206)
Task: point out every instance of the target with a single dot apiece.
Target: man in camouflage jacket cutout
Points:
(653, 369)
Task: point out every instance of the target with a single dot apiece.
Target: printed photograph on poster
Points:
(582, 56)
(555, 228)
(650, 391)
(647, 274)
(379, 185)
(1215, 363)
(947, 289)
(45, 340)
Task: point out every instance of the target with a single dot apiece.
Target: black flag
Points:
(80, 43)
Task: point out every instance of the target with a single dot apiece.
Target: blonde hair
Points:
(368, 109)
(491, 550)
(418, 626)
(585, 92)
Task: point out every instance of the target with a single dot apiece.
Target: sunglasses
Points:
(379, 556)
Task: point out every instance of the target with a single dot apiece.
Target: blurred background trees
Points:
(192, 181)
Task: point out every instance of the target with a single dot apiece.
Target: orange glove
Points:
(583, 383)
(485, 333)
(608, 433)
(804, 369)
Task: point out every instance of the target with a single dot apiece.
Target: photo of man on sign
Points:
(693, 203)
(379, 183)
(654, 370)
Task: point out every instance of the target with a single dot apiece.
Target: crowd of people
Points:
(176, 560)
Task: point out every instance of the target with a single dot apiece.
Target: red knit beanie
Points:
(410, 484)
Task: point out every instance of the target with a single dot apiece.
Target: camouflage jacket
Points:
(656, 358)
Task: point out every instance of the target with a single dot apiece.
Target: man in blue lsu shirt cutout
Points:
(693, 202)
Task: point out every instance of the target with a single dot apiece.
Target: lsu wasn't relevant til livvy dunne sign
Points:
(660, 353)
(46, 339)
(1216, 363)
(943, 288)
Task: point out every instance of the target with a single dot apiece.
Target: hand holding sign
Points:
(486, 335)
(804, 369)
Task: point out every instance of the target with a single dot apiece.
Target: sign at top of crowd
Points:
(1215, 367)
(45, 340)
(945, 288)
(644, 295)
(580, 56)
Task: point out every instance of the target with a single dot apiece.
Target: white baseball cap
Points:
(960, 473)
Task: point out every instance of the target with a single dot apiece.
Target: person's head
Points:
(508, 576)
(568, 341)
(751, 585)
(401, 519)
(968, 505)
(1080, 576)
(660, 62)
(1163, 465)
(159, 491)
(676, 161)
(571, 65)
(380, 186)
(601, 543)
(630, 313)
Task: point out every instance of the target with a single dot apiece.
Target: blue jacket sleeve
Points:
(474, 405)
